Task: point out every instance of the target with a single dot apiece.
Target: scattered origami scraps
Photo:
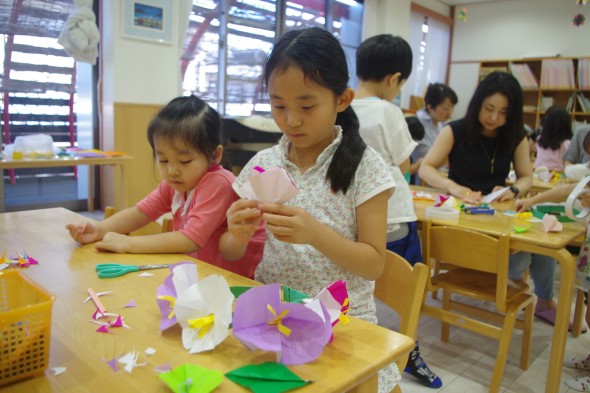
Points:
(131, 304)
(551, 224)
(17, 260)
(463, 14)
(519, 229)
(202, 307)
(579, 20)
(269, 186)
(150, 351)
(422, 196)
(268, 377)
(130, 361)
(57, 370)
(297, 333)
(192, 378)
(113, 364)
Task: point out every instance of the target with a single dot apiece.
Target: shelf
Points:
(558, 81)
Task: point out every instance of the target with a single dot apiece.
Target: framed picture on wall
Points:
(148, 20)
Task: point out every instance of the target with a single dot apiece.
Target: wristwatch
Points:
(514, 190)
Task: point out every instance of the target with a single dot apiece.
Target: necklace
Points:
(488, 156)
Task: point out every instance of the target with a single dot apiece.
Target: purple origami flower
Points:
(166, 296)
(297, 332)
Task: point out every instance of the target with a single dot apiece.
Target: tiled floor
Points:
(465, 363)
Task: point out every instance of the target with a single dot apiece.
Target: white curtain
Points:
(435, 56)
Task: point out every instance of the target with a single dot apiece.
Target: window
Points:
(225, 49)
(430, 41)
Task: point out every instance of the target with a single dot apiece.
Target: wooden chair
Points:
(165, 227)
(481, 274)
(402, 288)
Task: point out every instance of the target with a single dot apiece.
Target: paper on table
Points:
(268, 377)
(550, 223)
(192, 378)
(298, 333)
(491, 197)
(202, 308)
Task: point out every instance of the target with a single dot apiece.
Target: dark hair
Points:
(383, 55)
(512, 132)
(436, 93)
(557, 127)
(319, 55)
(416, 127)
(190, 120)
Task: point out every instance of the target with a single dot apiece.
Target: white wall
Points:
(513, 29)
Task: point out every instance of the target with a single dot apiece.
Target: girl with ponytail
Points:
(335, 228)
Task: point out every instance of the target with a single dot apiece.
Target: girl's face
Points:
(181, 166)
(442, 112)
(492, 114)
(304, 111)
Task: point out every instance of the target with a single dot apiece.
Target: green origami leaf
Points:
(269, 377)
(519, 229)
(191, 378)
(289, 294)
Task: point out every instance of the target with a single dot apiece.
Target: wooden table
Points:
(66, 269)
(538, 186)
(535, 240)
(118, 161)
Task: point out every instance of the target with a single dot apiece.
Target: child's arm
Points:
(414, 166)
(162, 243)
(125, 221)
(364, 257)
(243, 219)
(557, 194)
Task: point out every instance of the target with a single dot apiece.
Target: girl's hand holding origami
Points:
(243, 219)
(289, 224)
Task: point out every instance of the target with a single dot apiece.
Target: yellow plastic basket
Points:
(25, 327)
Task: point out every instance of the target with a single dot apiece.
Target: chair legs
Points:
(578, 313)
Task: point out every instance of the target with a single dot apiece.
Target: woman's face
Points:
(442, 112)
(493, 112)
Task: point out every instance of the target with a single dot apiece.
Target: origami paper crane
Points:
(269, 186)
(203, 308)
(191, 378)
(268, 377)
(297, 332)
(18, 260)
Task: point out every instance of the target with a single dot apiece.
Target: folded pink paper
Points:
(550, 224)
(269, 186)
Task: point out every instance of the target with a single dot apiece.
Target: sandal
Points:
(549, 315)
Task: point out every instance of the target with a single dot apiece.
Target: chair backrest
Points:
(402, 288)
(471, 250)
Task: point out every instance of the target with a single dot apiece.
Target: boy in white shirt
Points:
(384, 63)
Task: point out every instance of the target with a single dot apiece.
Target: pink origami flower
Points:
(297, 332)
(270, 186)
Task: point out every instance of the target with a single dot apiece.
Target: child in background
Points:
(416, 129)
(334, 229)
(384, 63)
(560, 194)
(554, 140)
(186, 139)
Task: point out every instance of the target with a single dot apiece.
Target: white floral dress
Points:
(301, 266)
